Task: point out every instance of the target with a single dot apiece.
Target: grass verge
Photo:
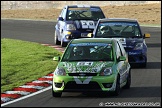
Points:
(23, 61)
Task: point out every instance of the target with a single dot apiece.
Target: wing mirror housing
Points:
(122, 58)
(146, 35)
(56, 58)
(60, 19)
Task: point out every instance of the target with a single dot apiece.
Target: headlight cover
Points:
(60, 72)
(70, 27)
(138, 46)
(106, 72)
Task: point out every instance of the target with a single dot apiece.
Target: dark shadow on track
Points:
(150, 65)
(153, 45)
(133, 92)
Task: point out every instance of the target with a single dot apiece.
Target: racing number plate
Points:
(84, 34)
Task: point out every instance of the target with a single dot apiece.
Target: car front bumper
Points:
(95, 83)
(75, 35)
(136, 57)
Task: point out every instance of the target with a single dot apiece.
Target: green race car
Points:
(92, 65)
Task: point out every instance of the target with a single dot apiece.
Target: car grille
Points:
(72, 86)
(82, 74)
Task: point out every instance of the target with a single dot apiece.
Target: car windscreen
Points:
(88, 52)
(86, 13)
(118, 29)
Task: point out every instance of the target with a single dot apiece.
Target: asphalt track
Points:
(146, 82)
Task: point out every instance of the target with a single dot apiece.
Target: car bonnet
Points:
(130, 42)
(84, 66)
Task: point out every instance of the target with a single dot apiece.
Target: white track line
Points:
(24, 97)
(17, 92)
(38, 81)
(32, 86)
(47, 77)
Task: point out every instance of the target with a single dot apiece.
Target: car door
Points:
(125, 64)
(121, 65)
(61, 24)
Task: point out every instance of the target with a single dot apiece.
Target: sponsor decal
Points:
(96, 9)
(87, 24)
(83, 67)
(133, 53)
(84, 34)
(119, 24)
(90, 44)
(85, 63)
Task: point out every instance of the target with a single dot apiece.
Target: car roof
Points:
(118, 19)
(92, 40)
(83, 6)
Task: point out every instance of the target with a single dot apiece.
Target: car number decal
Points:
(87, 24)
(85, 63)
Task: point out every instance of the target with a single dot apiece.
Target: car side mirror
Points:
(60, 19)
(90, 35)
(57, 58)
(121, 58)
(146, 35)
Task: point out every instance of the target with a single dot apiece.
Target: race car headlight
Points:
(106, 72)
(67, 33)
(60, 72)
(70, 27)
(138, 46)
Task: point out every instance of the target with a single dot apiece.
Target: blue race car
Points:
(128, 31)
(76, 21)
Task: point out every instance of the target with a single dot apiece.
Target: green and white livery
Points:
(92, 65)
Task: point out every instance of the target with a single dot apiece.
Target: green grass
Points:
(23, 62)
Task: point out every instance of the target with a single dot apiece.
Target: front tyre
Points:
(128, 83)
(117, 89)
(63, 44)
(55, 94)
(56, 42)
(143, 65)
